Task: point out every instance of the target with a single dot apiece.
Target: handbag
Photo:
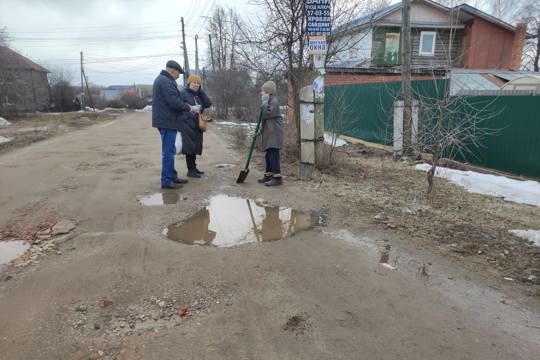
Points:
(200, 118)
(202, 123)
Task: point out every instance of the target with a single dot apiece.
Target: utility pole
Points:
(211, 52)
(89, 93)
(82, 82)
(186, 60)
(196, 55)
(406, 75)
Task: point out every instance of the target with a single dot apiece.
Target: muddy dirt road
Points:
(115, 287)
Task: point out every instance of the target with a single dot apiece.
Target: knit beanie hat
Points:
(193, 78)
(269, 87)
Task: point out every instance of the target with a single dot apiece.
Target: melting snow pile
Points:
(521, 192)
(4, 122)
(533, 236)
(328, 139)
(4, 139)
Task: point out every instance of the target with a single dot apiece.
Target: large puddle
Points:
(232, 221)
(12, 249)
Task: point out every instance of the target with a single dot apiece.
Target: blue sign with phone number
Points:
(318, 17)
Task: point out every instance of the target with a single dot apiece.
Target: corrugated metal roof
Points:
(11, 60)
(463, 82)
(509, 75)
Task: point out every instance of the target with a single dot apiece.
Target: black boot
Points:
(276, 181)
(199, 171)
(193, 173)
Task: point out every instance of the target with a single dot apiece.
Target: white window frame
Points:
(432, 52)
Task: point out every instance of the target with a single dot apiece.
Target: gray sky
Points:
(123, 41)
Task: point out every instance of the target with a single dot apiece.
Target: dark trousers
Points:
(190, 162)
(272, 161)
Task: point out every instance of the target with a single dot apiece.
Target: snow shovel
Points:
(244, 173)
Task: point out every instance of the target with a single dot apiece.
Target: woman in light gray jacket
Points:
(272, 134)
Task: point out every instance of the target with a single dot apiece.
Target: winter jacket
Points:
(167, 103)
(272, 125)
(192, 136)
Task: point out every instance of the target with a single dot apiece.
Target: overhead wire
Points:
(92, 36)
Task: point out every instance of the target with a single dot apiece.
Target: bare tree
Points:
(451, 127)
(531, 51)
(282, 46)
(502, 9)
(62, 92)
(229, 84)
(341, 108)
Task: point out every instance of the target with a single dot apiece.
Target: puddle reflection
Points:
(385, 254)
(231, 221)
(12, 249)
(158, 199)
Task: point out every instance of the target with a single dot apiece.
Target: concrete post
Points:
(307, 133)
(398, 126)
(318, 94)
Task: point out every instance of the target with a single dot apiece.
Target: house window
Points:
(391, 48)
(427, 43)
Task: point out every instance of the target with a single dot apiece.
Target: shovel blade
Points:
(243, 175)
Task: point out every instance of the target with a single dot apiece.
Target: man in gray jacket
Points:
(167, 109)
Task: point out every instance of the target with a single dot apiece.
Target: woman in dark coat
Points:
(272, 134)
(192, 135)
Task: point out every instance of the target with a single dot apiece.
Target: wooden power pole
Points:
(82, 83)
(211, 52)
(406, 75)
(186, 60)
(197, 56)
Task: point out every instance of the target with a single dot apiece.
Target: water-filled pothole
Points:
(12, 249)
(232, 221)
(157, 199)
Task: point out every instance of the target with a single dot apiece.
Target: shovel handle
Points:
(263, 108)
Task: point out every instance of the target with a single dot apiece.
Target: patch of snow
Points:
(230, 123)
(521, 192)
(533, 236)
(145, 109)
(339, 141)
(4, 122)
(4, 139)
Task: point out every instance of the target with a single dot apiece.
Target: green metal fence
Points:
(516, 146)
(365, 111)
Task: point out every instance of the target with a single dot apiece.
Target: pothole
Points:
(232, 221)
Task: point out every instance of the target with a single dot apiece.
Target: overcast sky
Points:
(123, 41)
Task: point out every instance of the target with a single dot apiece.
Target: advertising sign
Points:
(318, 17)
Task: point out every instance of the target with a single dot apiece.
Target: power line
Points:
(93, 28)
